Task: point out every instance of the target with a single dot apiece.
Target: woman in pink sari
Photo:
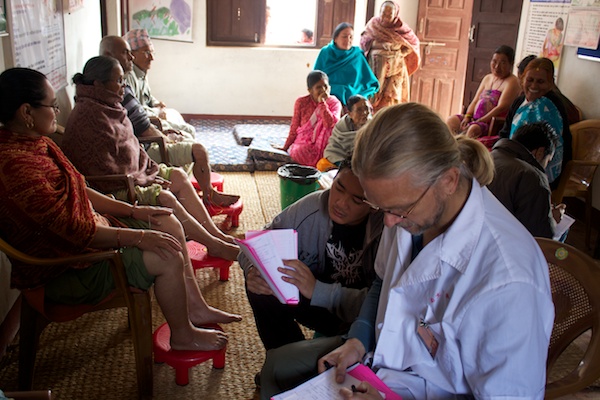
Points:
(392, 50)
(314, 117)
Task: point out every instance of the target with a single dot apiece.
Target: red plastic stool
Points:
(183, 360)
(216, 181)
(233, 213)
(201, 259)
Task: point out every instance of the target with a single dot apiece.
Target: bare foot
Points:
(213, 315)
(222, 249)
(222, 199)
(200, 339)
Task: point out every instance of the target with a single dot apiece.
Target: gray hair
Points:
(411, 138)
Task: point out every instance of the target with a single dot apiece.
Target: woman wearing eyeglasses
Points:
(47, 210)
(99, 140)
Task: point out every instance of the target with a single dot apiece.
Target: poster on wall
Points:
(38, 38)
(546, 22)
(72, 5)
(163, 19)
(2, 19)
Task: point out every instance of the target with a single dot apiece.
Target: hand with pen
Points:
(362, 391)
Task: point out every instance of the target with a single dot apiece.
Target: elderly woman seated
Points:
(47, 211)
(99, 140)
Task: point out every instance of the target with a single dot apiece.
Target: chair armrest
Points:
(11, 252)
(127, 181)
(495, 125)
(162, 146)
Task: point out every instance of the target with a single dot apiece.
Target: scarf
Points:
(99, 139)
(398, 34)
(45, 211)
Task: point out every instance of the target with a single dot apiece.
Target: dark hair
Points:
(559, 24)
(352, 100)
(97, 68)
(346, 163)
(338, 29)
(314, 77)
(308, 33)
(524, 62)
(17, 87)
(536, 135)
(508, 51)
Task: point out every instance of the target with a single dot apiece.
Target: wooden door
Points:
(443, 29)
(331, 14)
(494, 23)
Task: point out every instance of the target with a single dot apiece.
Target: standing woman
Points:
(540, 103)
(347, 68)
(314, 117)
(392, 50)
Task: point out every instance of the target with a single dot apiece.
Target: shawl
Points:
(348, 72)
(45, 211)
(99, 139)
(341, 142)
(399, 34)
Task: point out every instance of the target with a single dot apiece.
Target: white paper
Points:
(564, 224)
(323, 386)
(267, 250)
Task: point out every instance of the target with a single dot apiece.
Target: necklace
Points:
(495, 80)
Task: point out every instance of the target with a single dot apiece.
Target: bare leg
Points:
(171, 294)
(474, 131)
(453, 123)
(217, 246)
(201, 171)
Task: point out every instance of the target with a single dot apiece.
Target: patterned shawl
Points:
(399, 34)
(99, 139)
(45, 210)
(348, 72)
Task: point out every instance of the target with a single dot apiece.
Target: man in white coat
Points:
(463, 304)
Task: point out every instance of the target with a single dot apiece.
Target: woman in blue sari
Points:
(346, 66)
(539, 103)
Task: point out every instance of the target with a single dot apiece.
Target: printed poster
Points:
(38, 38)
(545, 31)
(163, 19)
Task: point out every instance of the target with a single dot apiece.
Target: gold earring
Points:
(30, 124)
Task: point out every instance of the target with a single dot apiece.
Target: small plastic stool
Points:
(232, 211)
(183, 360)
(216, 181)
(201, 259)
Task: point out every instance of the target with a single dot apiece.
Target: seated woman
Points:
(47, 211)
(494, 96)
(314, 117)
(341, 142)
(540, 103)
(99, 140)
(347, 68)
(393, 52)
(338, 237)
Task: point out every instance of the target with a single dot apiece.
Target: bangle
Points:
(118, 238)
(141, 238)
(468, 115)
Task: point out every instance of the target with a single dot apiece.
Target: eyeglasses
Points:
(53, 106)
(402, 215)
(147, 53)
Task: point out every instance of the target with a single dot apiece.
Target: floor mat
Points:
(226, 154)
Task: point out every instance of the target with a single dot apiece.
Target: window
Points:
(275, 22)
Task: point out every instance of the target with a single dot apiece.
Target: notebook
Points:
(267, 249)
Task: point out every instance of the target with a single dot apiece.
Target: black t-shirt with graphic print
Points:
(343, 261)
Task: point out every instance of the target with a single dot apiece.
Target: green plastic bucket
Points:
(296, 181)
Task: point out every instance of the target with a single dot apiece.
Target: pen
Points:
(327, 365)
(354, 389)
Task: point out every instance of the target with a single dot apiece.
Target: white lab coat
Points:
(484, 290)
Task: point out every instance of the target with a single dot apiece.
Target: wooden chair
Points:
(574, 280)
(36, 314)
(578, 174)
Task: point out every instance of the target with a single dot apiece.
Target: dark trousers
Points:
(277, 323)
